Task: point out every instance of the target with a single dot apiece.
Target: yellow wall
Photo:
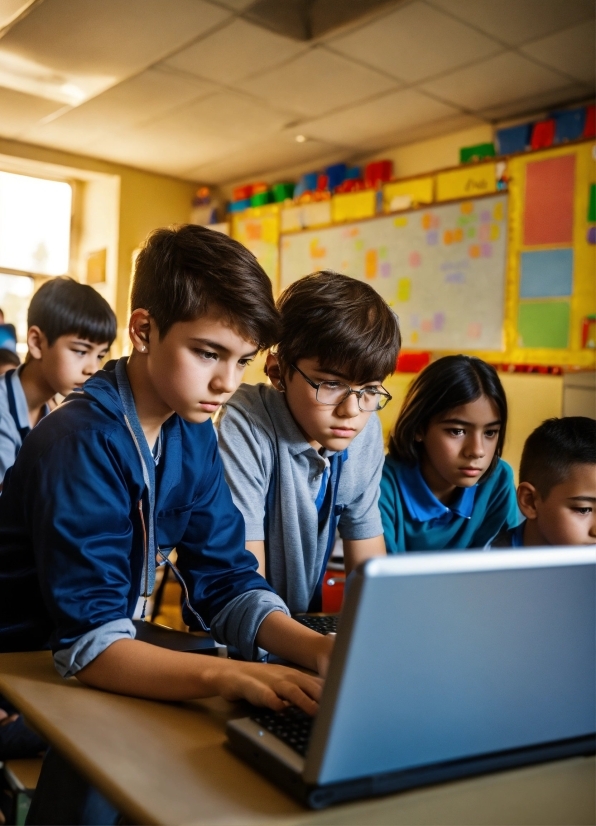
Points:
(147, 201)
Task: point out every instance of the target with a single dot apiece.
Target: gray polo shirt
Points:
(10, 439)
(275, 476)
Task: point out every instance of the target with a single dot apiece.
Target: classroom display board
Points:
(442, 269)
(258, 231)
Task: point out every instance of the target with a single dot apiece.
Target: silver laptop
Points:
(445, 665)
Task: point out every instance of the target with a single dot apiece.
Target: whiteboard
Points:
(442, 269)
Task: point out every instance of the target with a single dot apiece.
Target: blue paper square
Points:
(569, 124)
(546, 273)
(514, 139)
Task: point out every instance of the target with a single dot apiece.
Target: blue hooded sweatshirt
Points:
(81, 521)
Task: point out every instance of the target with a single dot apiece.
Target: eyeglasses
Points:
(335, 392)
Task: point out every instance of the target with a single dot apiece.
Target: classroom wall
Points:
(146, 201)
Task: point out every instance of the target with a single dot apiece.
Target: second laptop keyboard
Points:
(292, 725)
(322, 624)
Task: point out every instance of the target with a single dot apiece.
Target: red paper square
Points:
(550, 185)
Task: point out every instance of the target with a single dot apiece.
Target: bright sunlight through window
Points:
(34, 224)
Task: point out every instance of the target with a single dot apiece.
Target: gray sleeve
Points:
(238, 623)
(10, 441)
(84, 650)
(246, 455)
(361, 519)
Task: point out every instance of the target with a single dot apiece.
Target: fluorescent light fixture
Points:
(24, 75)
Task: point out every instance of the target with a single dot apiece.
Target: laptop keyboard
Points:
(292, 725)
(323, 625)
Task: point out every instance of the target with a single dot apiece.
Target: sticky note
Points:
(548, 215)
(474, 329)
(494, 232)
(474, 251)
(448, 237)
(404, 289)
(439, 321)
(543, 324)
(370, 263)
(546, 273)
(400, 222)
(498, 211)
(316, 251)
(385, 269)
(458, 235)
(414, 259)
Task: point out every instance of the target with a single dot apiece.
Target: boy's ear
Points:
(527, 497)
(273, 370)
(35, 341)
(139, 328)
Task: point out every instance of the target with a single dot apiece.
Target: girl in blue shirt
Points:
(444, 484)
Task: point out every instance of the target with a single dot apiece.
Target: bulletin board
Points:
(441, 268)
(258, 230)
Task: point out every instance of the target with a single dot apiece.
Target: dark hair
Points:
(342, 322)
(64, 307)
(186, 271)
(447, 383)
(8, 357)
(554, 448)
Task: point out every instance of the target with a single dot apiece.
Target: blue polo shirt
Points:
(415, 520)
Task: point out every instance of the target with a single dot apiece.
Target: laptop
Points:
(446, 665)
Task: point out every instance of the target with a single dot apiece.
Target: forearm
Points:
(142, 670)
(357, 551)
(288, 639)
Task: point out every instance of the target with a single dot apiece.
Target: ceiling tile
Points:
(500, 79)
(317, 82)
(236, 5)
(20, 111)
(135, 101)
(10, 10)
(263, 159)
(416, 42)
(517, 21)
(571, 51)
(388, 115)
(235, 52)
(93, 45)
(537, 104)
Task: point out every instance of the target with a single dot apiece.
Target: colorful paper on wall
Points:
(544, 324)
(467, 182)
(592, 204)
(546, 273)
(548, 217)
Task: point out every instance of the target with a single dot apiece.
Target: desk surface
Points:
(166, 763)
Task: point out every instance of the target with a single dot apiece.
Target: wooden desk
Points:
(165, 763)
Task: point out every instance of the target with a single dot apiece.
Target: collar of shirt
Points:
(517, 536)
(421, 502)
(20, 399)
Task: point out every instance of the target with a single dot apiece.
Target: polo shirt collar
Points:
(421, 502)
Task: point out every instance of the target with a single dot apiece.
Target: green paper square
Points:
(543, 324)
(592, 204)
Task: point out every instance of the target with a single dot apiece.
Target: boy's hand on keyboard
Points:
(273, 686)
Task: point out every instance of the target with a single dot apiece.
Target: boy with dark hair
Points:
(71, 328)
(126, 470)
(557, 486)
(304, 454)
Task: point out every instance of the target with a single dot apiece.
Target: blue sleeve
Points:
(10, 441)
(216, 566)
(391, 511)
(79, 509)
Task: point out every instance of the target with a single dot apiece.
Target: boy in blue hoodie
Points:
(128, 469)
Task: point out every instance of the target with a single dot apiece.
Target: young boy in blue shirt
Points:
(127, 469)
(304, 454)
(557, 486)
(71, 328)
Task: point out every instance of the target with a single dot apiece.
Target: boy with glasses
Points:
(303, 455)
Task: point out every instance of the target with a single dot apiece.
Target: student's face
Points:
(324, 425)
(567, 516)
(68, 362)
(459, 445)
(197, 366)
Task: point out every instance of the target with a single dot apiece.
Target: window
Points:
(34, 224)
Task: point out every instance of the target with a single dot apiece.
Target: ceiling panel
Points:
(95, 44)
(507, 77)
(234, 52)
(136, 101)
(571, 51)
(416, 42)
(236, 5)
(264, 158)
(10, 10)
(317, 82)
(387, 115)
(20, 111)
(517, 21)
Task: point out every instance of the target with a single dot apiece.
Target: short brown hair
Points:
(342, 322)
(186, 271)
